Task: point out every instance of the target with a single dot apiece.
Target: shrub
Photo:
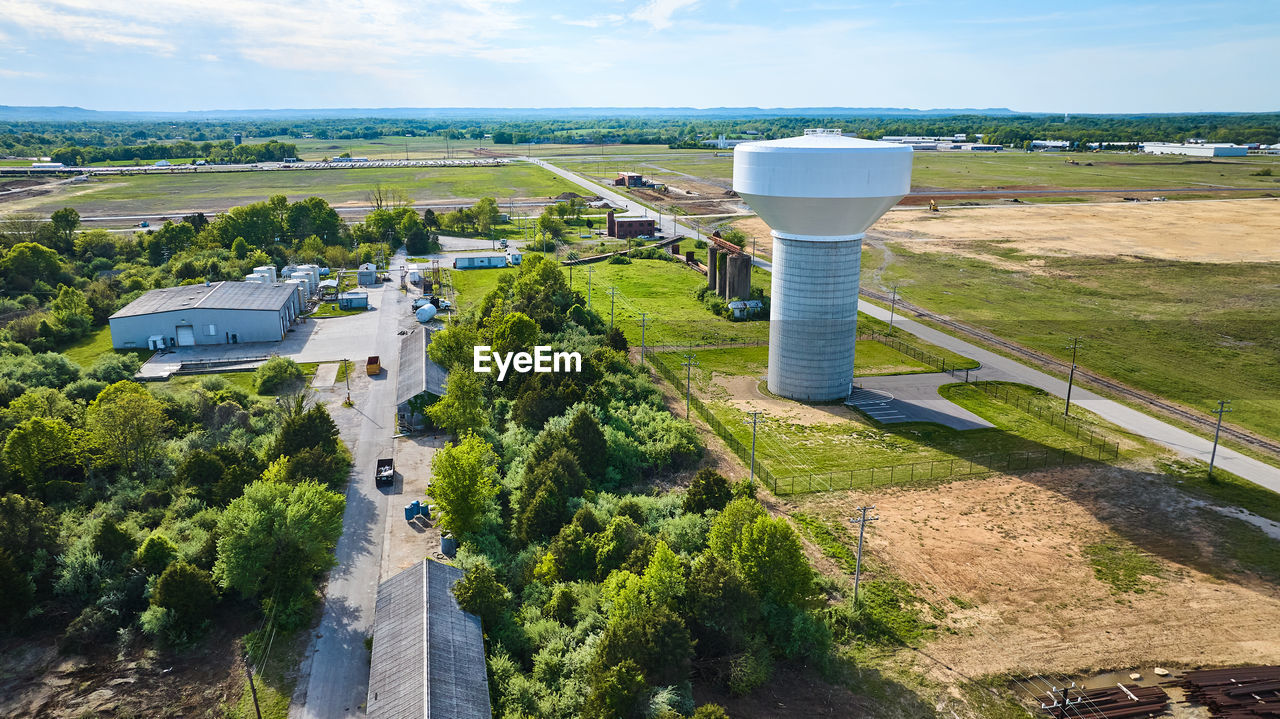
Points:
(479, 593)
(708, 490)
(112, 367)
(188, 594)
(277, 375)
(156, 553)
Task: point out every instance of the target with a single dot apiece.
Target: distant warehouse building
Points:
(210, 314)
(1195, 150)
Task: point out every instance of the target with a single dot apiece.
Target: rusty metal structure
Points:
(1237, 693)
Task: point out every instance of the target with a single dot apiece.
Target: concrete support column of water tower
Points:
(812, 332)
(712, 252)
(722, 275)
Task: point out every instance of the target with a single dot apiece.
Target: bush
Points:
(708, 490)
(188, 595)
(619, 260)
(112, 368)
(156, 553)
(277, 375)
(85, 390)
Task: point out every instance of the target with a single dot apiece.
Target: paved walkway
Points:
(912, 398)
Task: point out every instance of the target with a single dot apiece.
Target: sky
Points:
(1080, 57)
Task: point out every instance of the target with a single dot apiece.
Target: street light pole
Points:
(893, 307)
(613, 293)
(590, 271)
(1221, 410)
(1071, 378)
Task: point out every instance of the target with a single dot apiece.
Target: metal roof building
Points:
(209, 314)
(428, 655)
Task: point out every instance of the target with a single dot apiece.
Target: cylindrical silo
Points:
(818, 193)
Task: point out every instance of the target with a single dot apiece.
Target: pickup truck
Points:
(373, 365)
(384, 474)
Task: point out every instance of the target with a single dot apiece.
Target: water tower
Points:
(818, 193)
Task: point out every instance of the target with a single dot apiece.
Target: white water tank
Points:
(818, 193)
(268, 270)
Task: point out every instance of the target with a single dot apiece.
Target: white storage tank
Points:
(313, 270)
(300, 296)
(305, 279)
(258, 277)
(268, 270)
(818, 193)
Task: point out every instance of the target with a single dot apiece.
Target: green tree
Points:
(188, 594)
(127, 423)
(240, 248)
(589, 444)
(303, 427)
(111, 542)
(664, 580)
(655, 639)
(38, 448)
(551, 226)
(516, 333)
(461, 409)
(27, 263)
(617, 692)
(65, 222)
(773, 563)
(708, 490)
(44, 402)
(480, 593)
(17, 591)
(485, 213)
(464, 483)
(452, 346)
(275, 538)
(112, 367)
(726, 531)
(156, 553)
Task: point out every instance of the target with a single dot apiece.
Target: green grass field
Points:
(847, 442)
(433, 147)
(1192, 332)
(870, 358)
(143, 194)
(967, 170)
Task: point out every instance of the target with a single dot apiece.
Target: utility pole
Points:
(1071, 379)
(252, 689)
(643, 323)
(755, 420)
(862, 528)
(613, 292)
(893, 307)
(688, 364)
(346, 375)
(1221, 410)
(590, 271)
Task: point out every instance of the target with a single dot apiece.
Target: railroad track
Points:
(1162, 406)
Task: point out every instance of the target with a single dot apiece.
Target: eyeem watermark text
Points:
(542, 360)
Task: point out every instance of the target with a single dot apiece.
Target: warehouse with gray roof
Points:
(428, 654)
(209, 314)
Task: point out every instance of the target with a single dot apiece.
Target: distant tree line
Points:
(124, 141)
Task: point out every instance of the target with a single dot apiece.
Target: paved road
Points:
(335, 671)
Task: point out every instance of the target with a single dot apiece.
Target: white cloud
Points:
(657, 13)
(85, 26)
(6, 72)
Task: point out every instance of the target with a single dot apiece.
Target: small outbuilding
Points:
(367, 275)
(353, 300)
(328, 288)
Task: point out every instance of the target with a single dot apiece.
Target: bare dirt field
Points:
(1218, 231)
(747, 397)
(1005, 558)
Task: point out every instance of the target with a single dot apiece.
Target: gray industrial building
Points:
(209, 314)
(428, 655)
